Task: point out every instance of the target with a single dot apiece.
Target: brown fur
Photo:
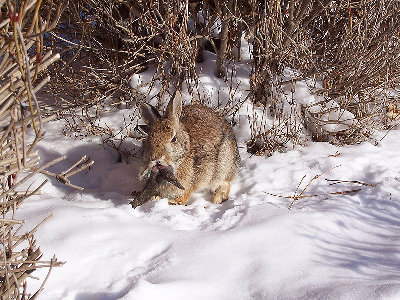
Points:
(197, 143)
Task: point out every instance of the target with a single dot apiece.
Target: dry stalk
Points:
(63, 176)
(23, 60)
(296, 196)
(337, 181)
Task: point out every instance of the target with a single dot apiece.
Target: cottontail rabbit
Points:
(190, 148)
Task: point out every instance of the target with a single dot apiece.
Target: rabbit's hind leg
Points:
(221, 193)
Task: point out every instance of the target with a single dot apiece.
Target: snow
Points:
(327, 246)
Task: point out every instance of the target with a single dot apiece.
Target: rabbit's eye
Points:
(173, 140)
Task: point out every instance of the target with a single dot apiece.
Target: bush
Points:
(349, 50)
(23, 61)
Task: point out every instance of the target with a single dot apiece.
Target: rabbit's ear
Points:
(149, 113)
(174, 107)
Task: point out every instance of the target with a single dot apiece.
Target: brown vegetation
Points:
(24, 59)
(351, 47)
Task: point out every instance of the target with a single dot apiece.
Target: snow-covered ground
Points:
(330, 245)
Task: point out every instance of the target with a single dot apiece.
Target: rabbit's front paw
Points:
(182, 200)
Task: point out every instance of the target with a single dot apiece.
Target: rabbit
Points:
(190, 148)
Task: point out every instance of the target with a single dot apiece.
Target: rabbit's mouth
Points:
(157, 167)
(154, 167)
(162, 172)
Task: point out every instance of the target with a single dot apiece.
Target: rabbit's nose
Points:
(157, 160)
(155, 157)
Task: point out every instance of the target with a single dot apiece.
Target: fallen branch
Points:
(336, 181)
(317, 195)
(302, 195)
(63, 176)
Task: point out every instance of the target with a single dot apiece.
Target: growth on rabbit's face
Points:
(190, 148)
